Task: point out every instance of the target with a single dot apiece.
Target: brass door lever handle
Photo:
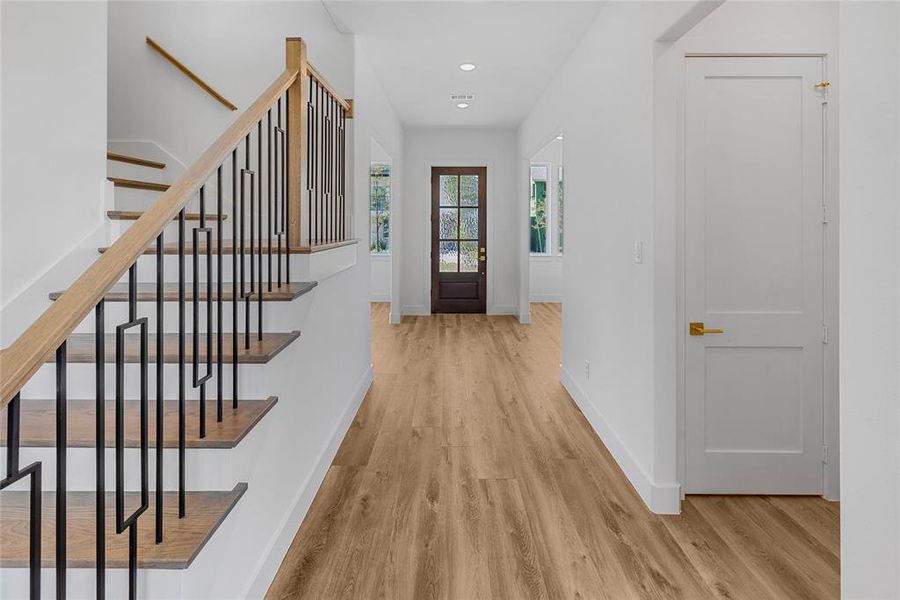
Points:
(697, 329)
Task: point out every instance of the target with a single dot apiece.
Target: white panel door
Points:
(754, 269)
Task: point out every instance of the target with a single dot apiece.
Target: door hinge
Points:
(825, 217)
(824, 334)
(824, 454)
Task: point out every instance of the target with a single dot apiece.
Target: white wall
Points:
(870, 296)
(379, 136)
(236, 47)
(601, 100)
(616, 102)
(496, 149)
(545, 271)
(53, 137)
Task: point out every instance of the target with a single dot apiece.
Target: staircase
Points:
(131, 407)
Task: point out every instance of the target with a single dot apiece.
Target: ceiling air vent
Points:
(462, 97)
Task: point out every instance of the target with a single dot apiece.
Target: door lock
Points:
(697, 329)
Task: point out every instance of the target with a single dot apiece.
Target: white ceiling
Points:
(416, 47)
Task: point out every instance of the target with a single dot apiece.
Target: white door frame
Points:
(830, 412)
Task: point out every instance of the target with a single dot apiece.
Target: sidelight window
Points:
(380, 209)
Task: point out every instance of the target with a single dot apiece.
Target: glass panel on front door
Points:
(458, 227)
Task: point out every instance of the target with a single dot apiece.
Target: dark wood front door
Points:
(458, 239)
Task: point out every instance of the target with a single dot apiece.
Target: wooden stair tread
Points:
(228, 247)
(147, 292)
(139, 185)
(134, 160)
(134, 215)
(80, 347)
(182, 538)
(38, 423)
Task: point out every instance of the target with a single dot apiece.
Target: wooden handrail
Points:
(25, 356)
(345, 104)
(193, 77)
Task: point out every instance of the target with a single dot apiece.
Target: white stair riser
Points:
(81, 382)
(205, 468)
(277, 316)
(147, 267)
(80, 583)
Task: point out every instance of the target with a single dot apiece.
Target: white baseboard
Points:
(660, 499)
(545, 298)
(525, 317)
(379, 297)
(500, 309)
(416, 310)
(267, 567)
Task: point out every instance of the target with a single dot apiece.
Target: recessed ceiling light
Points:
(467, 67)
(559, 137)
(462, 105)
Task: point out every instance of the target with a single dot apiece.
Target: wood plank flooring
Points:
(469, 473)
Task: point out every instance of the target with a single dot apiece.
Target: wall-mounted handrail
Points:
(190, 74)
(25, 356)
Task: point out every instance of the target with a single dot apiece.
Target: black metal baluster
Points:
(61, 441)
(329, 236)
(343, 177)
(13, 421)
(181, 370)
(259, 231)
(335, 124)
(14, 474)
(252, 242)
(310, 162)
(220, 385)
(130, 523)
(160, 371)
(326, 166)
(279, 186)
(285, 227)
(100, 450)
(200, 382)
(318, 199)
(269, 198)
(234, 275)
(286, 221)
(244, 296)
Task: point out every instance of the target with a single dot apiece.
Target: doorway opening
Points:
(546, 222)
(380, 196)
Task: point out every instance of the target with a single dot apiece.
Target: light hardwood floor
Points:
(469, 473)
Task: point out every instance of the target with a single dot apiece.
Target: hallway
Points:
(470, 473)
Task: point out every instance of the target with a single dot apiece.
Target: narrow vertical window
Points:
(560, 195)
(380, 209)
(539, 210)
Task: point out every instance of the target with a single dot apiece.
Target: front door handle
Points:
(697, 329)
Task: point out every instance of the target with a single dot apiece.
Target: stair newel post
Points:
(298, 219)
